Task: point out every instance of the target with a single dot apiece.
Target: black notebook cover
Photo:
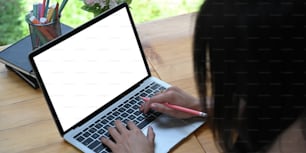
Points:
(16, 55)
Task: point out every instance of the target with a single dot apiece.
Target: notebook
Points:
(94, 75)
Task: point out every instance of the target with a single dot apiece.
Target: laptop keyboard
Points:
(127, 111)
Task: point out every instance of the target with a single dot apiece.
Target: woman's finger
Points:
(114, 133)
(150, 135)
(131, 125)
(120, 126)
(109, 143)
(162, 97)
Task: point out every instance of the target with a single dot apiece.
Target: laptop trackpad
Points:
(169, 131)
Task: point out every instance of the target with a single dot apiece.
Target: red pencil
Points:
(181, 108)
(43, 7)
(186, 110)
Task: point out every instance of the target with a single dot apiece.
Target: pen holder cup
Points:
(41, 33)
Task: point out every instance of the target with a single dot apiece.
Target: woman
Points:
(256, 53)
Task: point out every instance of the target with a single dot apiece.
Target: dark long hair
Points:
(256, 50)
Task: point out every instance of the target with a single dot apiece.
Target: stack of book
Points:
(15, 57)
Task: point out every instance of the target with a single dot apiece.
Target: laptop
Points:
(95, 75)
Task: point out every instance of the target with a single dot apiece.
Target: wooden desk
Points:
(26, 124)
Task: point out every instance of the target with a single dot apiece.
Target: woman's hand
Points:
(172, 95)
(130, 140)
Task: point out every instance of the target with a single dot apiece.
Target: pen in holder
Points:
(43, 30)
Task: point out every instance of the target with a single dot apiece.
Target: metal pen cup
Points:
(41, 33)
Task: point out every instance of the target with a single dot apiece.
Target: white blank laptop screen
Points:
(89, 69)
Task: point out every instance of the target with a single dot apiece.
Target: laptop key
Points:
(80, 138)
(87, 141)
(125, 114)
(125, 121)
(148, 91)
(148, 119)
(99, 148)
(143, 95)
(140, 118)
(136, 122)
(132, 117)
(91, 125)
(97, 121)
(98, 126)
(135, 106)
(122, 109)
(127, 105)
(144, 123)
(85, 129)
(77, 135)
(111, 117)
(101, 131)
(137, 113)
(119, 118)
(155, 86)
(137, 98)
(86, 134)
(94, 144)
(95, 135)
(133, 102)
(116, 113)
(92, 130)
(161, 88)
(104, 121)
(130, 111)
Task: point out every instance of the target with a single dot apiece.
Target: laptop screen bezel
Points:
(66, 36)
